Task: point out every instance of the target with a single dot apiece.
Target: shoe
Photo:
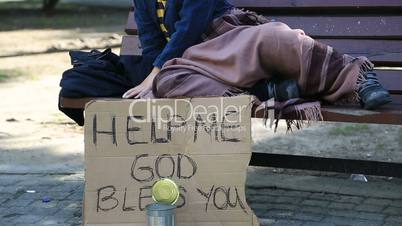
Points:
(372, 94)
(283, 90)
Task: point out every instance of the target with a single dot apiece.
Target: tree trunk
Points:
(49, 5)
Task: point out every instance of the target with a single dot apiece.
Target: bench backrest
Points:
(371, 28)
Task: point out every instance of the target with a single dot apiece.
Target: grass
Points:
(349, 130)
(28, 15)
(6, 75)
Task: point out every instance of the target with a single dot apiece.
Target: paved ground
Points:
(295, 199)
(19, 207)
(277, 199)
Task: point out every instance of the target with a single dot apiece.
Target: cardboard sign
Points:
(203, 144)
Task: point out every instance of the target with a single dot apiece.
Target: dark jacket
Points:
(186, 21)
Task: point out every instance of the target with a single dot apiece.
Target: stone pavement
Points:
(20, 207)
(277, 198)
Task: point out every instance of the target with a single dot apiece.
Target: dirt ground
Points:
(35, 137)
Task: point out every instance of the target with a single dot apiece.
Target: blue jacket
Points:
(186, 21)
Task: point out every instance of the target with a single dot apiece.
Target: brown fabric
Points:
(236, 56)
(235, 17)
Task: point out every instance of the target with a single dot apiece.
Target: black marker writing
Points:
(101, 201)
(231, 127)
(141, 197)
(125, 208)
(180, 162)
(221, 198)
(158, 163)
(142, 168)
(223, 191)
(206, 195)
(131, 130)
(95, 131)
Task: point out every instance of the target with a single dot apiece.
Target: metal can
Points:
(161, 214)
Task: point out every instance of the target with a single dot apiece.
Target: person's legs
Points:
(245, 55)
(323, 73)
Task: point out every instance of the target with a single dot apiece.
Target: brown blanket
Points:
(239, 51)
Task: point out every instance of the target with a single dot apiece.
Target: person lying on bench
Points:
(210, 48)
(238, 50)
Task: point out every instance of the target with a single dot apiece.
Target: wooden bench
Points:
(367, 27)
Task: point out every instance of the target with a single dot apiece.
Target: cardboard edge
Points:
(256, 221)
(88, 104)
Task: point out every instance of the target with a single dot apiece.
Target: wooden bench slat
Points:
(79, 103)
(385, 59)
(130, 46)
(391, 80)
(349, 166)
(274, 4)
(131, 25)
(396, 99)
(390, 114)
(365, 47)
(74, 103)
(381, 52)
(370, 27)
(386, 27)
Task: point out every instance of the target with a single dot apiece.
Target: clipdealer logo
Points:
(185, 110)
